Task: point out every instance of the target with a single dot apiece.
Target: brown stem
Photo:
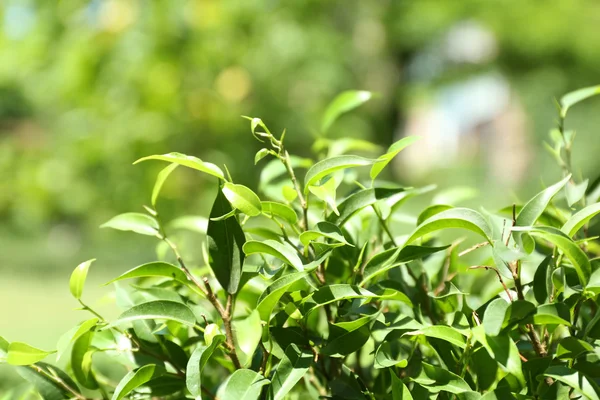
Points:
(186, 271)
(227, 315)
(487, 267)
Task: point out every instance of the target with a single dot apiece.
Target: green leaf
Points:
(160, 180)
(580, 218)
(158, 309)
(325, 230)
(280, 210)
(573, 252)
(331, 165)
(575, 192)
(431, 211)
(78, 276)
(392, 152)
(135, 222)
(578, 381)
(453, 218)
(446, 333)
(535, 207)
(133, 380)
(399, 389)
(73, 335)
(225, 245)
(23, 354)
(552, 314)
(437, 379)
(292, 367)
(81, 361)
(196, 364)
(270, 297)
(281, 251)
(331, 293)
(154, 269)
(187, 161)
(243, 384)
(3, 348)
(570, 348)
(502, 349)
(247, 333)
(572, 98)
(343, 342)
(359, 200)
(542, 280)
(45, 386)
(327, 193)
(384, 261)
(262, 153)
(343, 103)
(494, 316)
(243, 199)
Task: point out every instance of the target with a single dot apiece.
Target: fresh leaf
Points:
(225, 245)
(494, 316)
(243, 384)
(331, 165)
(453, 218)
(326, 192)
(575, 192)
(579, 219)
(247, 333)
(196, 364)
(135, 222)
(343, 103)
(154, 269)
(262, 153)
(133, 380)
(243, 199)
(534, 208)
(73, 335)
(392, 152)
(325, 230)
(158, 309)
(552, 314)
(437, 379)
(23, 354)
(281, 251)
(399, 389)
(446, 333)
(187, 161)
(280, 210)
(160, 180)
(81, 361)
(292, 367)
(270, 297)
(78, 277)
(572, 98)
(578, 381)
(358, 201)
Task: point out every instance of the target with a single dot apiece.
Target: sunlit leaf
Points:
(247, 333)
(534, 208)
(446, 333)
(281, 251)
(133, 380)
(160, 180)
(399, 389)
(289, 371)
(23, 354)
(154, 269)
(392, 152)
(280, 210)
(73, 335)
(197, 362)
(242, 198)
(575, 192)
(135, 222)
(575, 379)
(358, 201)
(437, 379)
(158, 309)
(187, 161)
(580, 218)
(463, 218)
(81, 361)
(343, 103)
(270, 297)
(331, 165)
(325, 230)
(78, 277)
(574, 97)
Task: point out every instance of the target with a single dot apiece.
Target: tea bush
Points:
(312, 291)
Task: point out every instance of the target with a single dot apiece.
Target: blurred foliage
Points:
(86, 87)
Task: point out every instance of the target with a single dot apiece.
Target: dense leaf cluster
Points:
(311, 290)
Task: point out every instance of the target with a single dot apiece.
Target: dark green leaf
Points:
(542, 280)
(359, 200)
(570, 348)
(225, 245)
(187, 161)
(579, 382)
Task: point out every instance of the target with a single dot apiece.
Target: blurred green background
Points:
(87, 87)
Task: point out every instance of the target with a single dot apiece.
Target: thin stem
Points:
(286, 160)
(487, 267)
(227, 314)
(384, 225)
(59, 381)
(186, 271)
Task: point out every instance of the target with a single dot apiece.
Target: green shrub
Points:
(316, 292)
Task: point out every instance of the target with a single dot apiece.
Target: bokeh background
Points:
(87, 87)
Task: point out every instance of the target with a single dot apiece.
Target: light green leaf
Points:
(187, 161)
(392, 152)
(81, 361)
(73, 335)
(331, 293)
(3, 348)
(453, 218)
(578, 381)
(262, 153)
(447, 333)
(359, 200)
(575, 192)
(331, 165)
(270, 297)
(494, 315)
(45, 386)
(23, 354)
(534, 208)
(78, 276)
(154, 269)
(158, 309)
(325, 230)
(243, 199)
(327, 193)
(160, 180)
(431, 211)
(243, 384)
(247, 333)
(280, 210)
(225, 245)
(292, 367)
(343, 103)
(197, 362)
(573, 252)
(552, 314)
(572, 98)
(192, 223)
(281, 251)
(580, 218)
(135, 222)
(570, 348)
(399, 389)
(502, 349)
(133, 380)
(437, 379)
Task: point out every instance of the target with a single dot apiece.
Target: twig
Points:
(59, 381)
(473, 248)
(487, 267)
